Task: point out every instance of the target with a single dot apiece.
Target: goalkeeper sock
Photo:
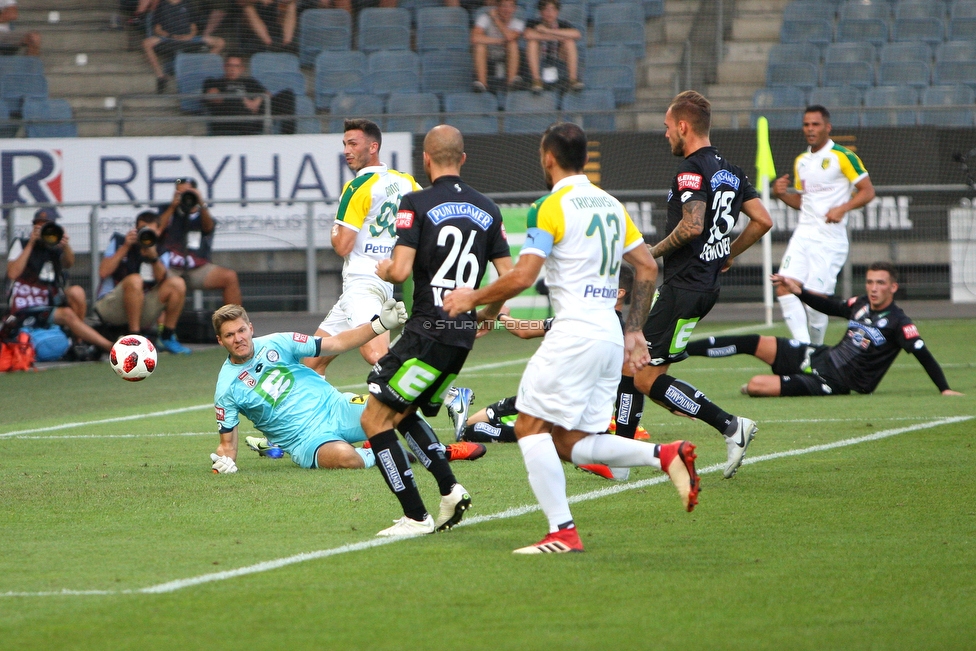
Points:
(795, 316)
(395, 469)
(630, 407)
(429, 450)
(724, 346)
(817, 322)
(677, 395)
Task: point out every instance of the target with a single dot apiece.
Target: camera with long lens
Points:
(147, 237)
(188, 201)
(51, 234)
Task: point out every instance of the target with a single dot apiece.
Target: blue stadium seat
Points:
(527, 112)
(423, 108)
(445, 72)
(808, 10)
(898, 52)
(573, 13)
(617, 55)
(277, 71)
(859, 10)
(960, 97)
(653, 8)
(849, 64)
(357, 105)
(338, 72)
(868, 30)
(890, 96)
(790, 52)
(782, 107)
(920, 9)
(8, 127)
(484, 106)
(383, 29)
(323, 30)
(927, 30)
(622, 80)
(21, 65)
(797, 73)
(850, 53)
(909, 73)
(37, 110)
(811, 30)
(393, 71)
(963, 9)
(443, 28)
(191, 70)
(955, 63)
(16, 86)
(620, 23)
(962, 21)
(308, 122)
(843, 102)
(576, 105)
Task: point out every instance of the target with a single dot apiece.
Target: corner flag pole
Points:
(765, 172)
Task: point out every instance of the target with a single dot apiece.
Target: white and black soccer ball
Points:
(133, 358)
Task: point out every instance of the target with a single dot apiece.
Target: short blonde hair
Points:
(229, 312)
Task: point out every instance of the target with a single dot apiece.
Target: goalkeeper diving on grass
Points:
(296, 409)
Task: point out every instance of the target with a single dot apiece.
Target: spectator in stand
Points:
(550, 48)
(11, 41)
(213, 13)
(136, 288)
(174, 30)
(270, 25)
(35, 266)
(495, 44)
(235, 94)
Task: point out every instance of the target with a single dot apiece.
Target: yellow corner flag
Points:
(764, 156)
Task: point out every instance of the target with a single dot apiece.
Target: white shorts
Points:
(572, 382)
(814, 263)
(361, 300)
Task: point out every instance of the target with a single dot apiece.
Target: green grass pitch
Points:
(114, 534)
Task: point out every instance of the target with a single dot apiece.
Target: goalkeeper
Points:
(293, 406)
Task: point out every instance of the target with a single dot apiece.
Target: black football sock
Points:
(429, 450)
(166, 333)
(677, 395)
(395, 468)
(630, 407)
(488, 433)
(724, 346)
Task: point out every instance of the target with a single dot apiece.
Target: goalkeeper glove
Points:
(392, 315)
(222, 465)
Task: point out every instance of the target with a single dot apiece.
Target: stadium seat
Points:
(800, 74)
(790, 52)
(617, 55)
(37, 110)
(16, 86)
(960, 97)
(338, 72)
(850, 53)
(910, 73)
(843, 102)
(782, 106)
(889, 96)
(484, 105)
(621, 79)
(393, 71)
(576, 105)
(809, 30)
(620, 23)
(21, 65)
(653, 9)
(443, 28)
(8, 126)
(445, 72)
(895, 52)
(920, 9)
(423, 108)
(849, 64)
(308, 122)
(322, 30)
(383, 29)
(927, 30)
(527, 112)
(962, 21)
(345, 105)
(808, 10)
(191, 70)
(574, 14)
(860, 10)
(277, 71)
(869, 30)
(955, 63)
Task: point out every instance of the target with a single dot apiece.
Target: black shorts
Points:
(804, 370)
(416, 372)
(674, 315)
(502, 413)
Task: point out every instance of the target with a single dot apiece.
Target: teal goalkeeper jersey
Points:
(285, 399)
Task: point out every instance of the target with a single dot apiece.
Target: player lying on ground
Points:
(877, 329)
(292, 405)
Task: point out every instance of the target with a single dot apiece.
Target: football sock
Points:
(166, 333)
(817, 322)
(630, 407)
(368, 457)
(614, 451)
(724, 346)
(677, 395)
(395, 469)
(488, 433)
(429, 450)
(546, 478)
(795, 316)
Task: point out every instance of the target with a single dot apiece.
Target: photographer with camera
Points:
(37, 265)
(187, 227)
(136, 288)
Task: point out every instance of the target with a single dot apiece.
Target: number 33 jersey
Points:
(582, 232)
(705, 176)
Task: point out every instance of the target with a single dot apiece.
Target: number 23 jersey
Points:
(708, 177)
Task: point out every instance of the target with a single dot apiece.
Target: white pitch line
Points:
(265, 566)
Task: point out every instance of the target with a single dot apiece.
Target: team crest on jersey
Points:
(247, 379)
(724, 177)
(404, 219)
(273, 356)
(910, 331)
(689, 181)
(220, 413)
(299, 337)
(825, 163)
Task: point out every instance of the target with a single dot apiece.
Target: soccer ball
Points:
(133, 358)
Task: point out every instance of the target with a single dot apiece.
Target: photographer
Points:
(135, 287)
(187, 227)
(36, 266)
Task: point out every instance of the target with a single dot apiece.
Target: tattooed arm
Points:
(691, 225)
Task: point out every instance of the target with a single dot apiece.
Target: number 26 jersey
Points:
(708, 177)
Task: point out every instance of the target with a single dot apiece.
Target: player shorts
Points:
(571, 381)
(674, 315)
(417, 371)
(194, 277)
(344, 427)
(111, 308)
(361, 300)
(804, 370)
(814, 263)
